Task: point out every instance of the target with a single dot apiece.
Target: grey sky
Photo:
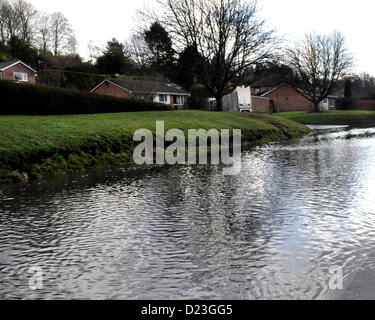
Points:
(99, 21)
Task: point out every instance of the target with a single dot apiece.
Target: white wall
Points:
(156, 99)
(324, 106)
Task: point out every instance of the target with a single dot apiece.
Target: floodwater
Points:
(298, 214)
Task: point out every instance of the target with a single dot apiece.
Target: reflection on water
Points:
(185, 232)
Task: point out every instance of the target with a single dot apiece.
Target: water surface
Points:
(272, 232)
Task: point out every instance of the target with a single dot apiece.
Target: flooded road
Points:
(275, 231)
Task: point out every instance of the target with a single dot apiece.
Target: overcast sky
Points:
(99, 21)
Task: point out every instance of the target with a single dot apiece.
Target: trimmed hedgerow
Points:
(70, 79)
(80, 80)
(26, 99)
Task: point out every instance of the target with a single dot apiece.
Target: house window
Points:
(163, 98)
(179, 100)
(20, 76)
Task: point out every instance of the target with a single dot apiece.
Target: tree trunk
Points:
(316, 107)
(219, 102)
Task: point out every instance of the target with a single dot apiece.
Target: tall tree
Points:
(227, 33)
(26, 17)
(189, 67)
(22, 50)
(318, 62)
(44, 37)
(61, 30)
(3, 24)
(139, 53)
(113, 60)
(160, 45)
(71, 48)
(17, 18)
(8, 20)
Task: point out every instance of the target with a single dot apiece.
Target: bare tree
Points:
(94, 50)
(18, 18)
(43, 37)
(60, 32)
(227, 34)
(3, 28)
(139, 52)
(318, 62)
(25, 15)
(8, 21)
(71, 46)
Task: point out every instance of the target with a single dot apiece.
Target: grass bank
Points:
(333, 117)
(35, 147)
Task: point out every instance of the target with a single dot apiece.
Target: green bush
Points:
(199, 96)
(344, 104)
(26, 99)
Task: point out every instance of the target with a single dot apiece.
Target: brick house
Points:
(161, 92)
(285, 98)
(261, 104)
(265, 84)
(17, 71)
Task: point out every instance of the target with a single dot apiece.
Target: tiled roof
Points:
(6, 64)
(140, 86)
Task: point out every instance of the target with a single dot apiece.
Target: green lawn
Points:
(42, 146)
(332, 117)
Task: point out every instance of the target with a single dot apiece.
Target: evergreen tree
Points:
(160, 45)
(189, 67)
(348, 89)
(19, 49)
(114, 59)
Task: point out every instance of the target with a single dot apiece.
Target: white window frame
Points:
(163, 98)
(23, 75)
(179, 100)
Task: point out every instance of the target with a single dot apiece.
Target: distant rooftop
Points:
(146, 86)
(6, 64)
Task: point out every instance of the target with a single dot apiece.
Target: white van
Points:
(239, 100)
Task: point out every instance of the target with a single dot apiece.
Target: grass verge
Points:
(333, 117)
(35, 147)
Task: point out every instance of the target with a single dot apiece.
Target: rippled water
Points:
(182, 232)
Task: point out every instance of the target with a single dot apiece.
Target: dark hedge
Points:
(26, 99)
(70, 79)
